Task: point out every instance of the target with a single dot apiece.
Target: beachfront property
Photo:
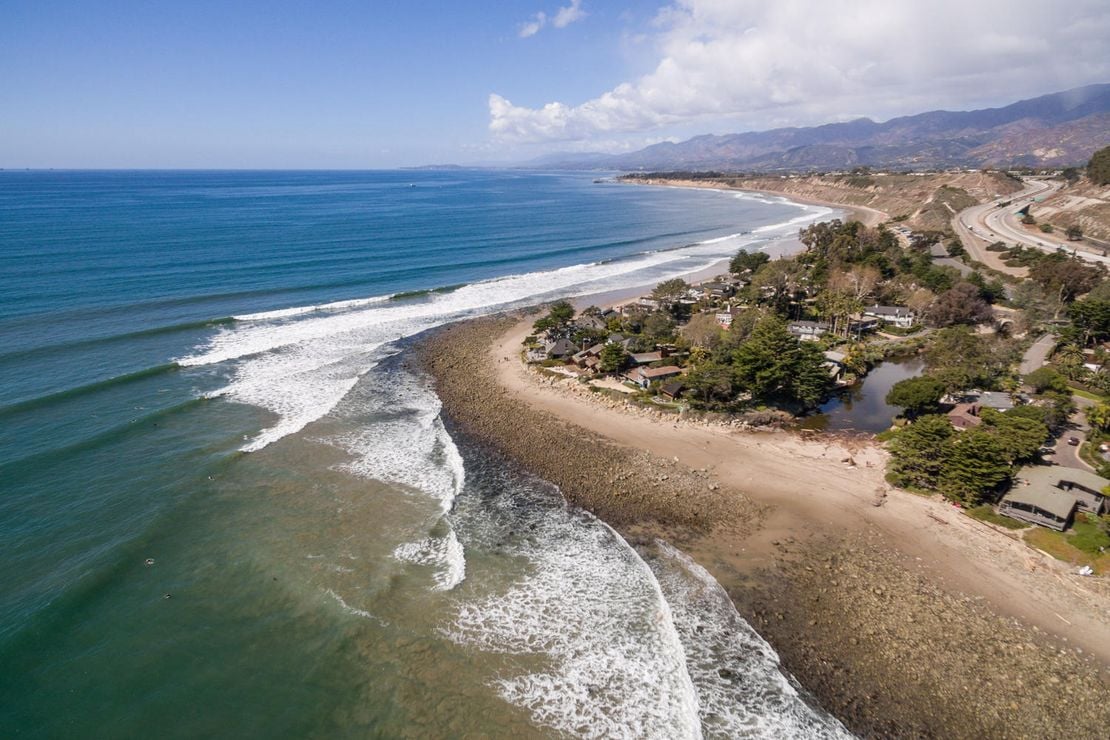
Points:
(808, 330)
(645, 376)
(560, 348)
(672, 389)
(1050, 496)
(899, 316)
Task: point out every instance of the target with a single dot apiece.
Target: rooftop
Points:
(655, 372)
(1058, 503)
(1046, 476)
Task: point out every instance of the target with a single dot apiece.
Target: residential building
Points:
(1050, 495)
(645, 376)
(899, 316)
(807, 330)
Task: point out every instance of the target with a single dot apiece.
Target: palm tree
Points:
(1099, 416)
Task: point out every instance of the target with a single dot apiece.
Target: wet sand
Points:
(906, 619)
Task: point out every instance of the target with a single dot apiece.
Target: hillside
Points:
(928, 202)
(1083, 204)
(1052, 130)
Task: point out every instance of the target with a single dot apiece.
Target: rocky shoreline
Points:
(865, 628)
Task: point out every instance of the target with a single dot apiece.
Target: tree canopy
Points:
(773, 365)
(960, 304)
(916, 396)
(744, 261)
(558, 316)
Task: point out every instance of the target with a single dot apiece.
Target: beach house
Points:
(645, 376)
(1050, 495)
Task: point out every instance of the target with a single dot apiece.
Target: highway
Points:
(983, 224)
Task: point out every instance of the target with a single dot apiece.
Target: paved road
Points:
(983, 224)
(1036, 355)
(1068, 455)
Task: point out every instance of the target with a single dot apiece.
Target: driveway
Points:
(1035, 357)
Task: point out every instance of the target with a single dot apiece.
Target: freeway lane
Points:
(988, 223)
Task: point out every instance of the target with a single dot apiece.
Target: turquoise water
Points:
(229, 507)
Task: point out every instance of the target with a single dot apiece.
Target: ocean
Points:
(229, 505)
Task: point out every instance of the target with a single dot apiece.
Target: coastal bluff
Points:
(868, 625)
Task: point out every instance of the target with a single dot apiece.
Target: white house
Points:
(899, 316)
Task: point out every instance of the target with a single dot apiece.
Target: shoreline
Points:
(867, 216)
(889, 615)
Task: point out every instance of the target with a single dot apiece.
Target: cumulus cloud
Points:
(757, 64)
(562, 18)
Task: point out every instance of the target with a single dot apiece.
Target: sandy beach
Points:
(863, 214)
(904, 619)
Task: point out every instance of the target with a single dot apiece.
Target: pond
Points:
(863, 407)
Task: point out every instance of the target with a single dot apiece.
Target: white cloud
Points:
(569, 14)
(749, 64)
(562, 18)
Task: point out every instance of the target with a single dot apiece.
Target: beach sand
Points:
(905, 619)
(863, 214)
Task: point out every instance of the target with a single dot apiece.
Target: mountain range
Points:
(1058, 129)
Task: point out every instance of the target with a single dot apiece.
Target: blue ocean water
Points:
(226, 507)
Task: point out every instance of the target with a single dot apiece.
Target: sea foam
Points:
(300, 362)
(611, 664)
(742, 690)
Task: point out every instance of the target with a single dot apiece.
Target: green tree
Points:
(659, 326)
(1021, 437)
(916, 452)
(773, 365)
(669, 291)
(1065, 277)
(1074, 233)
(974, 466)
(1098, 169)
(1099, 416)
(1092, 317)
(1047, 379)
(712, 383)
(763, 363)
(916, 396)
(811, 381)
(557, 318)
(744, 261)
(961, 360)
(612, 358)
(961, 304)
(1069, 358)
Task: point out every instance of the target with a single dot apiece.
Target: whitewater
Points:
(631, 650)
(226, 486)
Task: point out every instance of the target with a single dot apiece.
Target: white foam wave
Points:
(742, 690)
(351, 609)
(407, 444)
(609, 661)
(812, 214)
(445, 554)
(300, 362)
(284, 313)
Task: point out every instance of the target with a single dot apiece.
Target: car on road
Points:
(1073, 441)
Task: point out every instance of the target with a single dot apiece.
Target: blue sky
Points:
(382, 84)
